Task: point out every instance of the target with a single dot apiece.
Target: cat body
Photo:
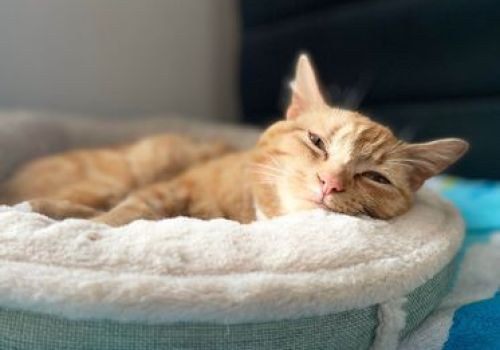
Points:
(318, 157)
(84, 183)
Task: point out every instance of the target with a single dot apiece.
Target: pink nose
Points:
(330, 183)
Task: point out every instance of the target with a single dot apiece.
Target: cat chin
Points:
(301, 204)
(291, 203)
(326, 208)
(320, 205)
(312, 204)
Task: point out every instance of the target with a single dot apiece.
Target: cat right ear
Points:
(431, 158)
(306, 93)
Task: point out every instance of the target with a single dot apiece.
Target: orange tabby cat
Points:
(319, 157)
(84, 183)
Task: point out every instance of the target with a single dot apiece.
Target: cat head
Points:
(340, 160)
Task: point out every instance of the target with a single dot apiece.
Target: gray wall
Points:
(120, 57)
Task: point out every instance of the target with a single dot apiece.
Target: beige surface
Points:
(120, 57)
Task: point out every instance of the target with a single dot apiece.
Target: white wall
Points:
(120, 57)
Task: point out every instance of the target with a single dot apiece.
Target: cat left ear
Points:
(306, 93)
(431, 158)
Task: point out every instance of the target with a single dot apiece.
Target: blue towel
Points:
(469, 317)
(477, 200)
(476, 326)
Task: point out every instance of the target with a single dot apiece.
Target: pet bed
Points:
(311, 280)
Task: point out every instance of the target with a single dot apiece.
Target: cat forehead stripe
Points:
(341, 146)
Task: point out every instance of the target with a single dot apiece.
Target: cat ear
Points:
(306, 93)
(431, 158)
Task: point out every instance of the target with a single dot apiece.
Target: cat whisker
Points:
(275, 161)
(266, 182)
(408, 162)
(268, 179)
(268, 176)
(265, 166)
(267, 173)
(403, 164)
(268, 170)
(275, 167)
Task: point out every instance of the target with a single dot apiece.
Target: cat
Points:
(319, 156)
(85, 183)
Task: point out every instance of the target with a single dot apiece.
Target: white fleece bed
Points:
(184, 269)
(187, 270)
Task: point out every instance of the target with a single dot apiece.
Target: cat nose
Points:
(330, 183)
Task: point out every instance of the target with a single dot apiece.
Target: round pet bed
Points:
(312, 280)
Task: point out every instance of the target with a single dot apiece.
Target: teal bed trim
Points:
(354, 329)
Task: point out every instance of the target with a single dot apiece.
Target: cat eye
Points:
(317, 141)
(377, 177)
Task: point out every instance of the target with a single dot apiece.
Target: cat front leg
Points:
(160, 200)
(62, 209)
(131, 209)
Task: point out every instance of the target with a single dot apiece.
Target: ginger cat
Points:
(319, 157)
(84, 183)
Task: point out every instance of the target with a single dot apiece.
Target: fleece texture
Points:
(184, 269)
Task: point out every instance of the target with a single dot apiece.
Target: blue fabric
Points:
(475, 325)
(477, 200)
